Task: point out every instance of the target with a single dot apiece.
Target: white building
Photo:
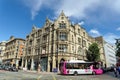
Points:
(109, 54)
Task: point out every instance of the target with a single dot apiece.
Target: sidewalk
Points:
(36, 72)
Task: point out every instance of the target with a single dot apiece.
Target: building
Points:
(2, 50)
(54, 42)
(14, 51)
(107, 51)
(100, 42)
(110, 54)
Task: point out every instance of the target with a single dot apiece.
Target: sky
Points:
(98, 17)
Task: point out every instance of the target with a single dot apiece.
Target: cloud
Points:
(81, 23)
(76, 8)
(115, 5)
(110, 37)
(94, 33)
(36, 5)
(118, 29)
(99, 11)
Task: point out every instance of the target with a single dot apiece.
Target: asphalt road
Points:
(28, 75)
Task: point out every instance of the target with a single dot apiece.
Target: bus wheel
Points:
(75, 73)
(94, 73)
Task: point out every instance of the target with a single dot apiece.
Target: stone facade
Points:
(14, 51)
(55, 41)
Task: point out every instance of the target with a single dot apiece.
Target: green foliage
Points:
(92, 53)
(118, 49)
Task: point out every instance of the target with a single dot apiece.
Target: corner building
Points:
(54, 42)
(14, 50)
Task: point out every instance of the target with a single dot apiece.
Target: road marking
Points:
(53, 77)
(39, 77)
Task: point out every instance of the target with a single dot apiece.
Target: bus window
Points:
(82, 66)
(75, 66)
(69, 66)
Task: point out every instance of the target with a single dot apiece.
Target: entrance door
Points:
(43, 63)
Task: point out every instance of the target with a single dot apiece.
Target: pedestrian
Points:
(39, 68)
(119, 69)
(115, 71)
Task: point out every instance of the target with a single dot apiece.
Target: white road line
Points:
(53, 77)
(39, 77)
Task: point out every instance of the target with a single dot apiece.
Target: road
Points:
(27, 75)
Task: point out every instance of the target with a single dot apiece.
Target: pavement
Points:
(36, 72)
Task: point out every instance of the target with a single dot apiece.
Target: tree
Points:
(92, 54)
(118, 47)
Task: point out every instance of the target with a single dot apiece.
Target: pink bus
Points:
(79, 67)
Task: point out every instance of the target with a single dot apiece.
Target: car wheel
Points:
(75, 73)
(94, 73)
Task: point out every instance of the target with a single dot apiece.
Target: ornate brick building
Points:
(55, 41)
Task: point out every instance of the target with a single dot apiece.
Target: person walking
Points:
(115, 71)
(39, 68)
(119, 69)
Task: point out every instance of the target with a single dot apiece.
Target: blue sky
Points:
(98, 17)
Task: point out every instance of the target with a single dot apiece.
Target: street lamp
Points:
(83, 43)
(39, 57)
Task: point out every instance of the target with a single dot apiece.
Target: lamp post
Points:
(39, 57)
(83, 47)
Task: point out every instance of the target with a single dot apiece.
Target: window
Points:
(18, 42)
(73, 48)
(29, 51)
(69, 66)
(62, 25)
(62, 17)
(46, 29)
(38, 41)
(79, 40)
(79, 50)
(45, 38)
(30, 43)
(83, 43)
(84, 34)
(63, 36)
(78, 31)
(63, 48)
(72, 38)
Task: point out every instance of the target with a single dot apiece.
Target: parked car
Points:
(110, 69)
(1, 67)
(13, 69)
(6, 68)
(104, 69)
